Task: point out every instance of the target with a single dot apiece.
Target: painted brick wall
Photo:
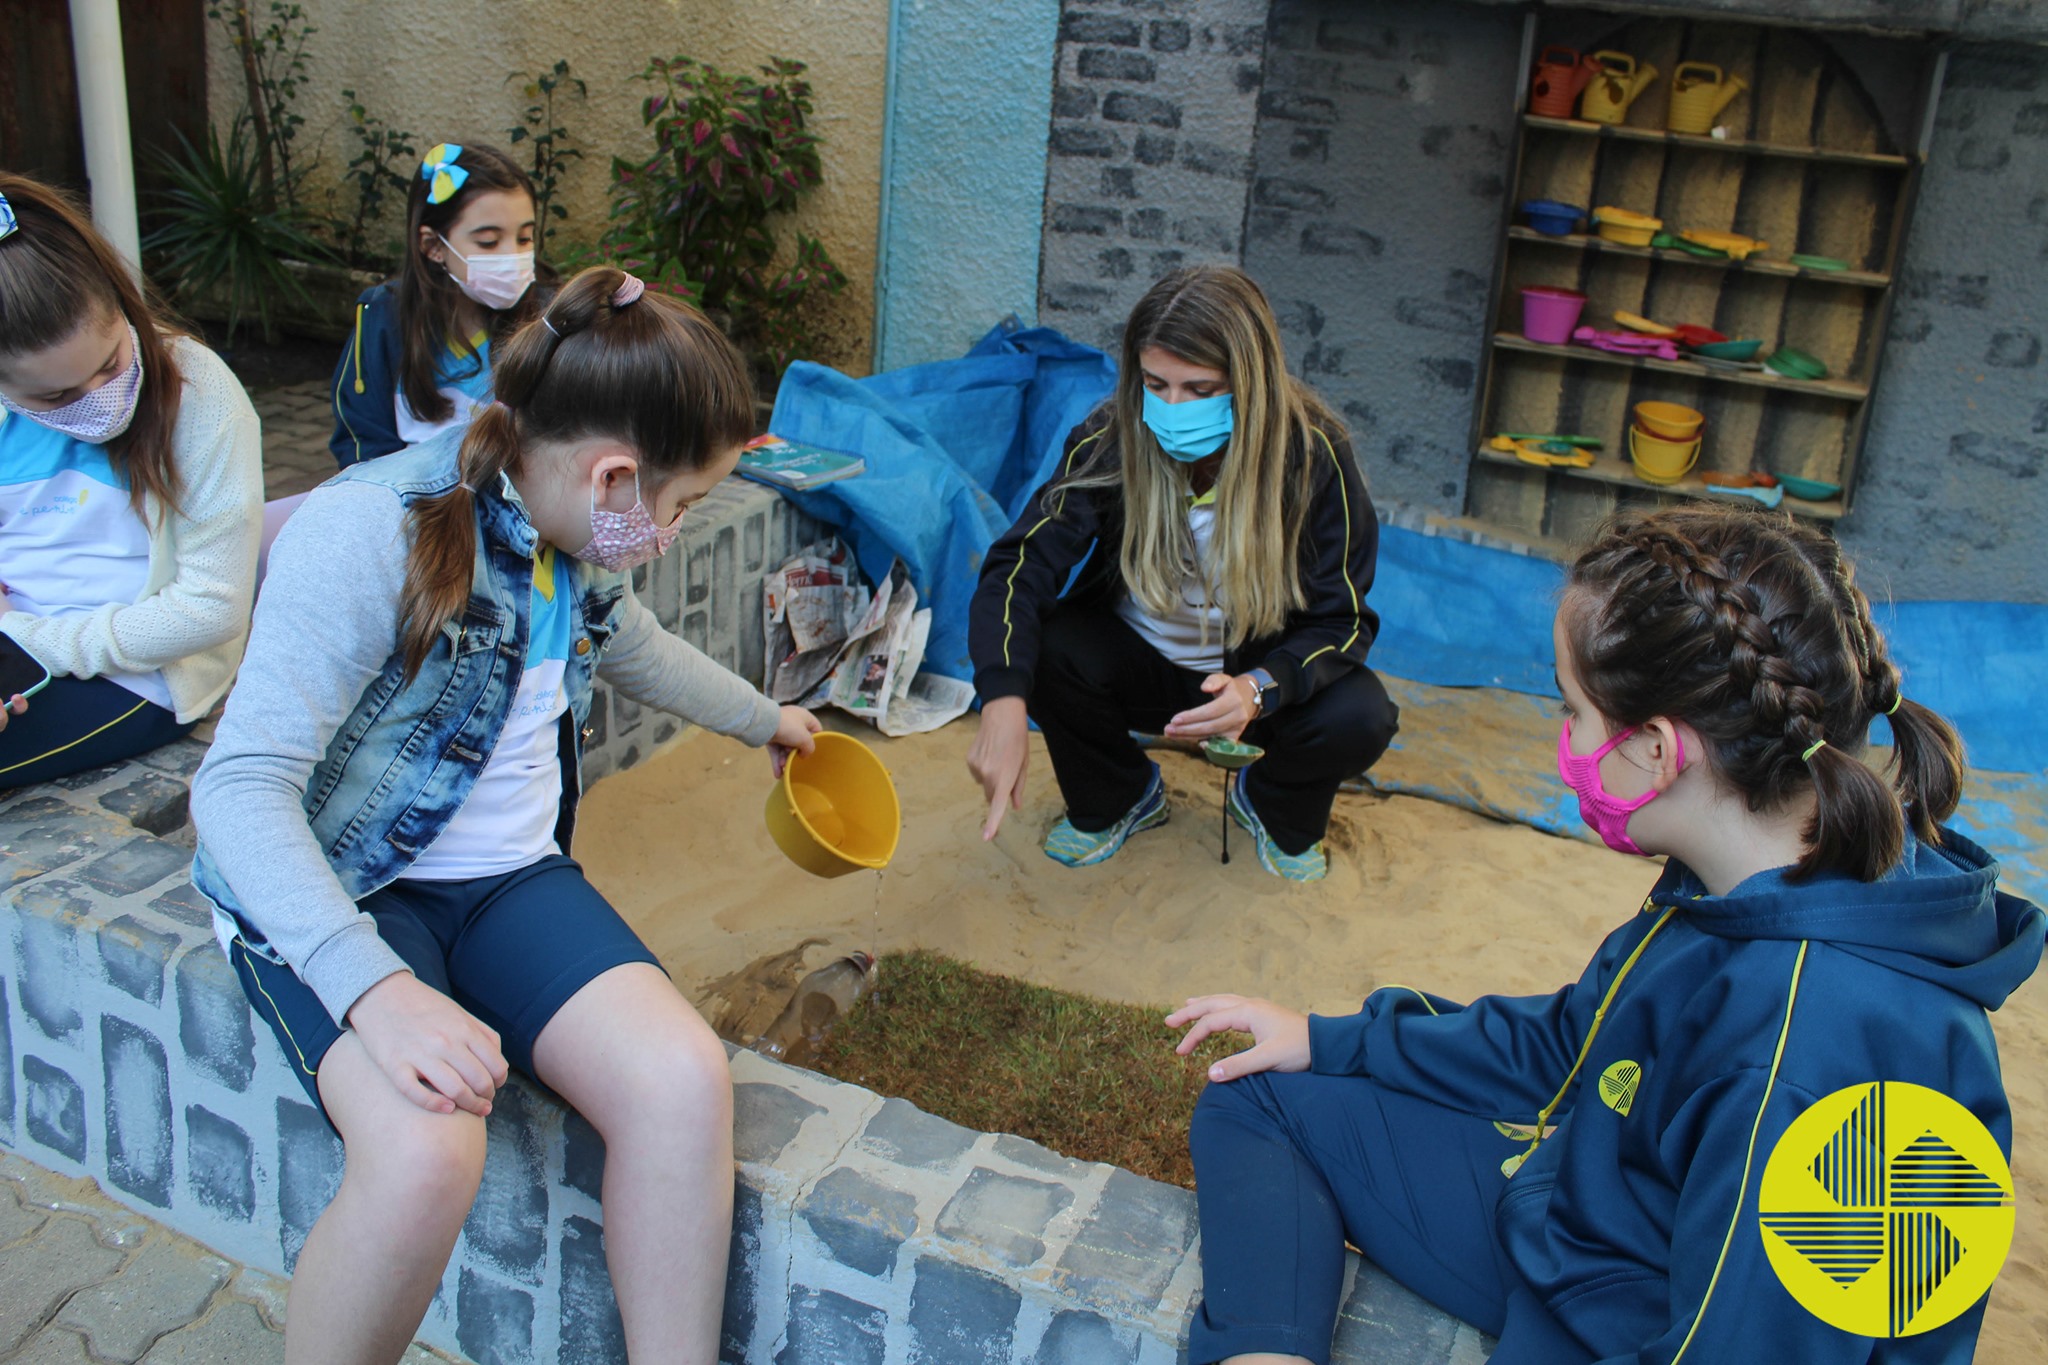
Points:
(1149, 158)
(1384, 140)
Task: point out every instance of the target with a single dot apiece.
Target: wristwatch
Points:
(1264, 688)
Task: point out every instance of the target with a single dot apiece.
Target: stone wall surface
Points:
(1385, 139)
(864, 1229)
(1149, 164)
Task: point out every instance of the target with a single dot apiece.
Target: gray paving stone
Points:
(181, 759)
(46, 950)
(134, 957)
(1004, 1214)
(44, 1271)
(828, 1326)
(153, 802)
(591, 1326)
(45, 833)
(52, 1346)
(186, 904)
(766, 1119)
(1125, 1253)
(6, 1064)
(138, 1091)
(165, 1287)
(214, 1025)
(268, 1292)
(308, 1173)
(860, 1220)
(493, 1320)
(582, 1156)
(234, 1331)
(56, 1107)
(742, 1276)
(17, 1220)
(1077, 1337)
(960, 1315)
(142, 862)
(903, 1133)
(508, 1223)
(1039, 1158)
(222, 1172)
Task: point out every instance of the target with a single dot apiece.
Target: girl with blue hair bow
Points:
(418, 357)
(1197, 566)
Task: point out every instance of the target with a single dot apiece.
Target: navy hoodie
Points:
(1634, 1228)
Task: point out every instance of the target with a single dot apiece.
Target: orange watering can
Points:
(1554, 86)
(1699, 92)
(1614, 87)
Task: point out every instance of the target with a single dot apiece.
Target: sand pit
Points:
(1419, 892)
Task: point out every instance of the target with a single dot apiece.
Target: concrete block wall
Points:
(864, 1229)
(1149, 158)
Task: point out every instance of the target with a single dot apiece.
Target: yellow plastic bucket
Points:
(835, 811)
(1625, 225)
(1670, 421)
(1662, 461)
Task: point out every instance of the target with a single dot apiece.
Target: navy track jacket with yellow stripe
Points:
(1700, 1031)
(1029, 567)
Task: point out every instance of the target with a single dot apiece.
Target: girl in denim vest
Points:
(385, 817)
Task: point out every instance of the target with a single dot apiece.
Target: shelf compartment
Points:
(1775, 269)
(1618, 472)
(1839, 389)
(1624, 133)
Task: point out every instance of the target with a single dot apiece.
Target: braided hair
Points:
(1750, 628)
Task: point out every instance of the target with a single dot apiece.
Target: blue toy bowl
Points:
(1551, 218)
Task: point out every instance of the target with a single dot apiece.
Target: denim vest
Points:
(396, 773)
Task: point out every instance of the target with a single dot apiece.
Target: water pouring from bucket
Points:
(834, 811)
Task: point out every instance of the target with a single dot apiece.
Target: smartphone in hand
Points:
(20, 674)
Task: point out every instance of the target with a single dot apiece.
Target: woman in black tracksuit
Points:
(1197, 566)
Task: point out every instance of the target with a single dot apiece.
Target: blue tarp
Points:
(955, 448)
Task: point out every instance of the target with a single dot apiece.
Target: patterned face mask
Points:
(97, 417)
(625, 540)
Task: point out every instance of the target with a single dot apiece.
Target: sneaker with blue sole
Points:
(1312, 864)
(1072, 847)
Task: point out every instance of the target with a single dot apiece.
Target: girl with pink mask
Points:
(418, 356)
(386, 813)
(1581, 1174)
(131, 481)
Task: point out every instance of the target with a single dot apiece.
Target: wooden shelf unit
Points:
(1823, 157)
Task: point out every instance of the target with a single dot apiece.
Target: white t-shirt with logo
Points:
(508, 820)
(70, 541)
(1192, 635)
(465, 381)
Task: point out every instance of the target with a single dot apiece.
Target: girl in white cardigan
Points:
(131, 492)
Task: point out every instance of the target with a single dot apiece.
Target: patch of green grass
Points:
(1087, 1078)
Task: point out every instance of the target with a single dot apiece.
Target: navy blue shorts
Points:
(510, 949)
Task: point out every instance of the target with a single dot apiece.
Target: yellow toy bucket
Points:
(835, 812)
(1661, 461)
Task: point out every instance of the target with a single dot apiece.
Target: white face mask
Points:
(496, 280)
(99, 416)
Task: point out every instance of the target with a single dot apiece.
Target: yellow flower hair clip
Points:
(439, 170)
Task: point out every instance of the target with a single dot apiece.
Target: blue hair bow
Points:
(8, 225)
(439, 170)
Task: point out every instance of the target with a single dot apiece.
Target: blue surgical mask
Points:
(1192, 430)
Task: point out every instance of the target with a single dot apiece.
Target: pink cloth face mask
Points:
(1606, 814)
(625, 540)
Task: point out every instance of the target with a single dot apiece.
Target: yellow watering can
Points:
(1699, 92)
(1615, 88)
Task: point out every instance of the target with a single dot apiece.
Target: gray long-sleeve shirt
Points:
(326, 624)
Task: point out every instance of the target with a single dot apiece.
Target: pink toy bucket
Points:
(1548, 314)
